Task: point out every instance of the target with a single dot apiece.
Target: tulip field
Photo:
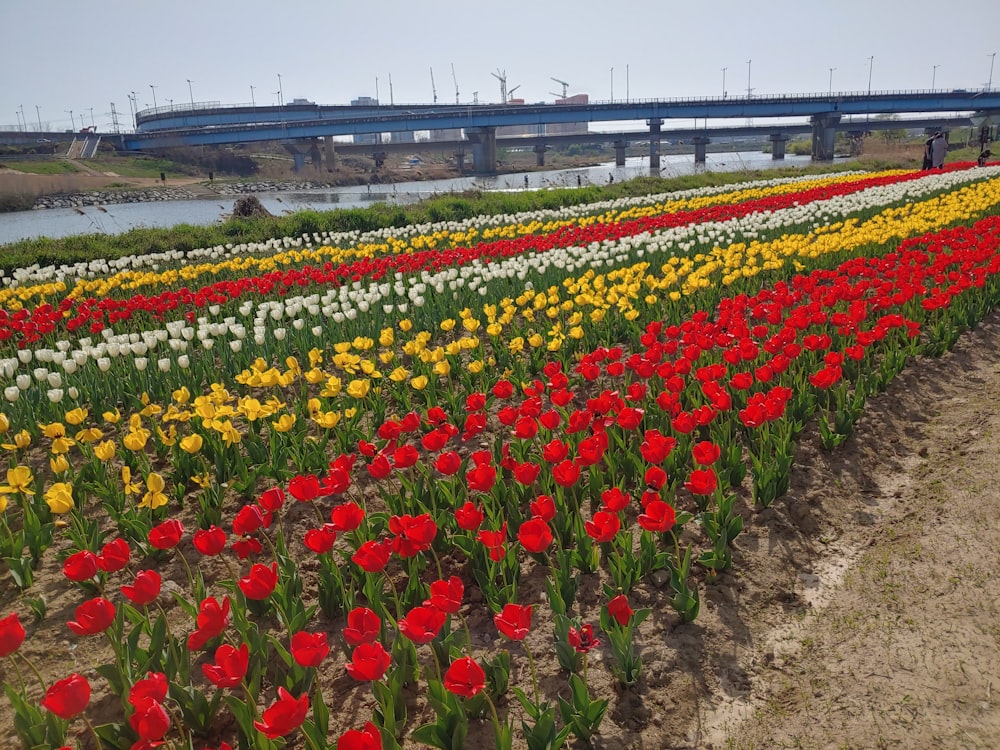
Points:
(444, 484)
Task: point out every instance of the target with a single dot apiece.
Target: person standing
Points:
(928, 144)
(938, 149)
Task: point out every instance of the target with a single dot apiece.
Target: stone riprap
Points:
(103, 198)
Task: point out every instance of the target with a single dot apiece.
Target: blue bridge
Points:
(303, 126)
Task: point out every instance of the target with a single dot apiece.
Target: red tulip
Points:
(373, 556)
(413, 534)
(543, 507)
(12, 634)
(150, 721)
(618, 608)
(92, 617)
(309, 649)
(535, 535)
(658, 516)
(701, 482)
(320, 540)
(210, 541)
(153, 686)
(514, 621)
(304, 487)
(68, 697)
(246, 546)
(368, 662)
(213, 618)
(422, 624)
(526, 473)
(655, 477)
(114, 555)
(494, 541)
(363, 626)
(259, 582)
(284, 715)
(368, 738)
(447, 595)
(81, 566)
(603, 527)
(167, 534)
(566, 473)
(555, 451)
(145, 589)
(405, 456)
(583, 639)
(469, 516)
(465, 678)
(230, 666)
(481, 478)
(272, 500)
(705, 453)
(346, 517)
(249, 519)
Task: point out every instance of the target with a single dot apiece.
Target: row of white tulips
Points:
(282, 327)
(36, 274)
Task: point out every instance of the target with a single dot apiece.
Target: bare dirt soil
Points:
(861, 611)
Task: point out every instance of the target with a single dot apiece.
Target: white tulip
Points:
(73, 393)
(69, 366)
(40, 373)
(236, 346)
(103, 364)
(140, 363)
(279, 334)
(12, 393)
(183, 362)
(55, 395)
(163, 364)
(23, 382)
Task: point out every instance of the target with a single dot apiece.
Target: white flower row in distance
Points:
(316, 312)
(37, 274)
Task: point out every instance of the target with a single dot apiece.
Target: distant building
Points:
(366, 101)
(568, 128)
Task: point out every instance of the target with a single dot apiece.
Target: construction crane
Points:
(563, 84)
(456, 82)
(510, 94)
(501, 75)
(433, 87)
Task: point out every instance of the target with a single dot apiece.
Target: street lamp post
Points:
(871, 64)
(253, 103)
(724, 83)
(989, 83)
(612, 83)
(626, 83)
(23, 120)
(153, 89)
(71, 120)
(20, 129)
(92, 124)
(748, 79)
(281, 95)
(831, 81)
(191, 92)
(38, 114)
(934, 76)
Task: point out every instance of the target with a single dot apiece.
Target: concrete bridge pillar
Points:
(654, 145)
(824, 133)
(316, 155)
(700, 142)
(460, 160)
(778, 141)
(331, 154)
(540, 149)
(300, 150)
(484, 149)
(620, 153)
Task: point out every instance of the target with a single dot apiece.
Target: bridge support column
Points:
(316, 155)
(778, 141)
(460, 160)
(700, 142)
(540, 150)
(331, 154)
(824, 133)
(484, 149)
(654, 145)
(620, 153)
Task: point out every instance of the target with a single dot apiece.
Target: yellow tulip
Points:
(105, 450)
(54, 430)
(285, 423)
(192, 443)
(358, 388)
(58, 464)
(4, 423)
(419, 382)
(19, 479)
(60, 498)
(76, 416)
(182, 395)
(90, 435)
(405, 325)
(154, 497)
(136, 441)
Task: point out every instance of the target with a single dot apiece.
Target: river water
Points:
(120, 217)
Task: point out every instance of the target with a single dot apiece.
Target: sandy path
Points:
(901, 644)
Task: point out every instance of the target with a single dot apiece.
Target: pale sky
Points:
(65, 55)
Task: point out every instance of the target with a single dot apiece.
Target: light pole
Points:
(748, 79)
(20, 129)
(612, 83)
(94, 126)
(934, 76)
(38, 114)
(71, 120)
(153, 89)
(989, 83)
(23, 118)
(253, 103)
(191, 92)
(831, 81)
(871, 64)
(626, 83)
(724, 83)
(281, 95)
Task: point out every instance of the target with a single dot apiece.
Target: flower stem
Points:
(534, 675)
(93, 731)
